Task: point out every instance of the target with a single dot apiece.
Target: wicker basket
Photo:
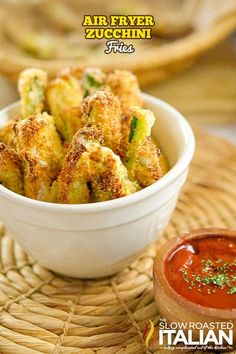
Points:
(185, 30)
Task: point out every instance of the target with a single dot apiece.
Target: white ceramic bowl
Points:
(94, 240)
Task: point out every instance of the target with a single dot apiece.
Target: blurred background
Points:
(190, 61)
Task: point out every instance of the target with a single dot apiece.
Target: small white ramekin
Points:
(95, 240)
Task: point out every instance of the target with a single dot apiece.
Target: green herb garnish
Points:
(219, 279)
(213, 273)
(232, 290)
(198, 279)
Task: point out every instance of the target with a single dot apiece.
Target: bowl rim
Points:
(162, 281)
(179, 167)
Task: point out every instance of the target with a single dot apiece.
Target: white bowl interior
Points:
(169, 130)
(8, 113)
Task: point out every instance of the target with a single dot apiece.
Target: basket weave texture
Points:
(41, 312)
(208, 23)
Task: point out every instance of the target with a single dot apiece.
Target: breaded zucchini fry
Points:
(75, 174)
(64, 97)
(87, 162)
(109, 177)
(92, 80)
(163, 163)
(31, 85)
(71, 120)
(7, 134)
(39, 146)
(103, 110)
(125, 85)
(143, 161)
(148, 167)
(10, 169)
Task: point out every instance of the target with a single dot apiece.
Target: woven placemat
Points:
(41, 312)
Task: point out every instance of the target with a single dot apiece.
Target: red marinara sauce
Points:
(203, 270)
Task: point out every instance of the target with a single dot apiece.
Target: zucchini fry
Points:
(91, 166)
(163, 163)
(31, 86)
(64, 98)
(109, 177)
(75, 174)
(125, 86)
(10, 169)
(39, 147)
(143, 161)
(103, 110)
(72, 120)
(7, 134)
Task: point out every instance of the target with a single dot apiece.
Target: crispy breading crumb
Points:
(10, 169)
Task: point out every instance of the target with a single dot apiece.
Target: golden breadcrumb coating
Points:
(125, 85)
(164, 163)
(92, 172)
(31, 86)
(74, 176)
(41, 151)
(94, 146)
(143, 161)
(73, 120)
(109, 177)
(10, 169)
(147, 165)
(64, 98)
(7, 134)
(90, 133)
(103, 110)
